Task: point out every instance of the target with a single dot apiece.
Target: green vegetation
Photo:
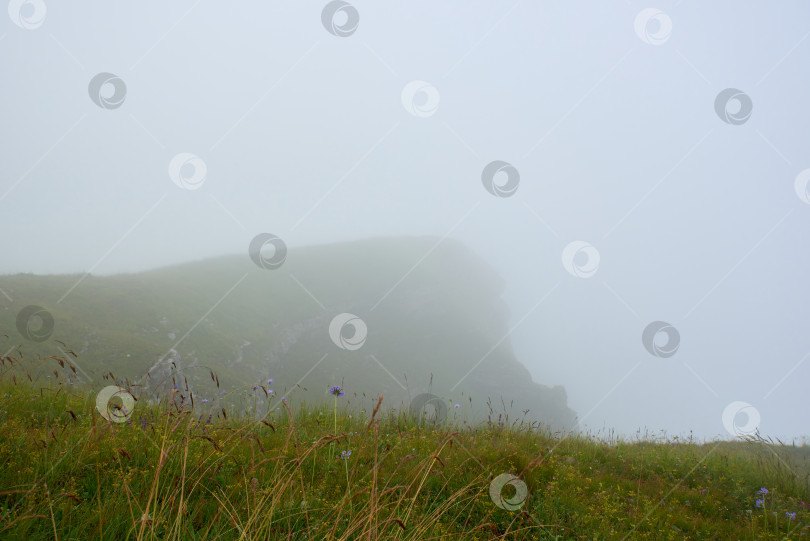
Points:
(174, 470)
(212, 448)
(429, 326)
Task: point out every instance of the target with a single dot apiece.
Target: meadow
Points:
(184, 468)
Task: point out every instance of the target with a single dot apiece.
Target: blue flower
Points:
(760, 503)
(791, 516)
(336, 390)
(763, 490)
(346, 454)
(204, 400)
(270, 381)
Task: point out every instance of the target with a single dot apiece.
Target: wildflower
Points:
(270, 381)
(283, 399)
(204, 400)
(791, 516)
(344, 455)
(270, 391)
(760, 503)
(336, 391)
(763, 490)
(456, 405)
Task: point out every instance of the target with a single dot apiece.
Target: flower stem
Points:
(334, 443)
(764, 512)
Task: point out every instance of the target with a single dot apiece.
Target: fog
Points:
(614, 130)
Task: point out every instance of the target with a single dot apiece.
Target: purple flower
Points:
(763, 490)
(336, 390)
(456, 405)
(204, 400)
(791, 516)
(283, 399)
(270, 391)
(346, 454)
(760, 503)
(270, 381)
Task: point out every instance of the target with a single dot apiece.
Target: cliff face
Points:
(431, 314)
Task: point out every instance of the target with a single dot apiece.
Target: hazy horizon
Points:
(635, 195)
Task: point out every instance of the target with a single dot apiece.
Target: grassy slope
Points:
(115, 313)
(439, 321)
(172, 474)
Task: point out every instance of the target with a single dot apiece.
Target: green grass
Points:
(169, 473)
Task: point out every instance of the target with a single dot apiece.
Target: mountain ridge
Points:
(432, 308)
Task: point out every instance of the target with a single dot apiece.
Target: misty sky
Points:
(611, 125)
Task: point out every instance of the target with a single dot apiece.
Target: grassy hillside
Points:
(435, 320)
(191, 471)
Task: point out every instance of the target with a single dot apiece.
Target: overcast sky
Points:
(611, 118)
